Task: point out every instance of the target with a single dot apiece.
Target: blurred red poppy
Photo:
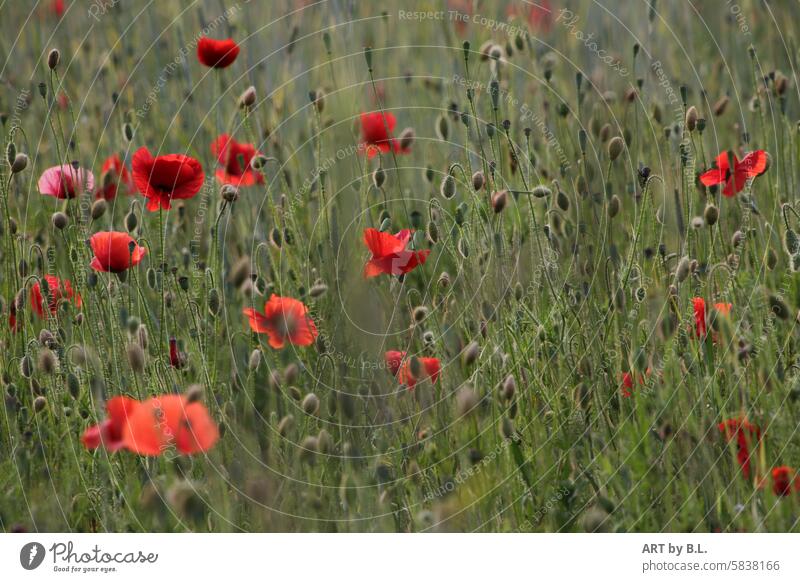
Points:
(746, 436)
(58, 7)
(167, 421)
(389, 253)
(285, 320)
(164, 178)
(65, 182)
(114, 176)
(627, 382)
(217, 53)
(784, 479)
(751, 165)
(57, 289)
(115, 251)
(109, 433)
(699, 305)
(376, 134)
(401, 368)
(235, 159)
(177, 358)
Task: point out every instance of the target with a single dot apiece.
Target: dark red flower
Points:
(110, 432)
(784, 479)
(747, 436)
(285, 320)
(167, 421)
(390, 254)
(58, 7)
(113, 176)
(217, 53)
(115, 251)
(58, 289)
(699, 305)
(177, 358)
(376, 134)
(235, 159)
(752, 165)
(401, 368)
(163, 178)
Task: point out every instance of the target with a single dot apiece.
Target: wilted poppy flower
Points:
(115, 251)
(784, 479)
(285, 320)
(699, 305)
(163, 422)
(751, 165)
(401, 368)
(217, 53)
(110, 432)
(235, 159)
(745, 435)
(57, 289)
(65, 181)
(177, 359)
(389, 253)
(163, 178)
(376, 134)
(113, 177)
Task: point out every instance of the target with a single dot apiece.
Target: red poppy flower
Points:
(113, 175)
(284, 320)
(752, 165)
(217, 53)
(400, 366)
(700, 314)
(163, 422)
(65, 182)
(109, 433)
(376, 134)
(163, 178)
(58, 7)
(235, 159)
(627, 382)
(177, 358)
(115, 251)
(389, 253)
(745, 435)
(784, 479)
(58, 289)
(540, 15)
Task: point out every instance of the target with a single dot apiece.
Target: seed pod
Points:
(98, 208)
(59, 220)
(53, 58)
(448, 187)
(478, 180)
(615, 147)
(691, 118)
(19, 164)
(311, 404)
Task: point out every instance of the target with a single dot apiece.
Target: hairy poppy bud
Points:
(26, 367)
(311, 404)
(127, 131)
(39, 404)
(471, 353)
(98, 208)
(682, 271)
(47, 361)
(691, 118)
(318, 99)
(613, 206)
(229, 193)
(499, 201)
(248, 98)
(194, 393)
(442, 128)
(254, 360)
(318, 289)
(448, 187)
(737, 238)
(466, 401)
(53, 58)
(285, 425)
(378, 177)
(720, 105)
(19, 164)
(711, 215)
(135, 355)
(478, 180)
(406, 139)
(615, 147)
(59, 220)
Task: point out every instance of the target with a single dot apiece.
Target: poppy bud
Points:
(466, 401)
(39, 404)
(406, 138)
(448, 187)
(420, 313)
(720, 105)
(276, 238)
(248, 98)
(737, 238)
(478, 180)
(778, 306)
(442, 128)
(507, 428)
(471, 353)
(613, 206)
(711, 215)
(213, 302)
(682, 270)
(53, 58)
(318, 289)
(285, 425)
(73, 386)
(131, 222)
(318, 99)
(311, 404)
(772, 260)
(258, 162)
(135, 357)
(127, 131)
(615, 147)
(691, 118)
(11, 152)
(47, 361)
(59, 220)
(255, 359)
(324, 442)
(509, 387)
(229, 193)
(19, 164)
(444, 280)
(98, 208)
(499, 200)
(378, 177)
(194, 393)
(791, 242)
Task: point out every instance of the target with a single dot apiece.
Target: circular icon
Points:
(31, 555)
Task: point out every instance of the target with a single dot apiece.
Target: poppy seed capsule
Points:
(448, 187)
(248, 98)
(615, 147)
(19, 164)
(478, 180)
(499, 201)
(691, 118)
(53, 58)
(98, 208)
(311, 404)
(59, 220)
(711, 215)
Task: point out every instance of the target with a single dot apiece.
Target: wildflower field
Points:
(403, 266)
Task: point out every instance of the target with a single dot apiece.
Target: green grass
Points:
(558, 292)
